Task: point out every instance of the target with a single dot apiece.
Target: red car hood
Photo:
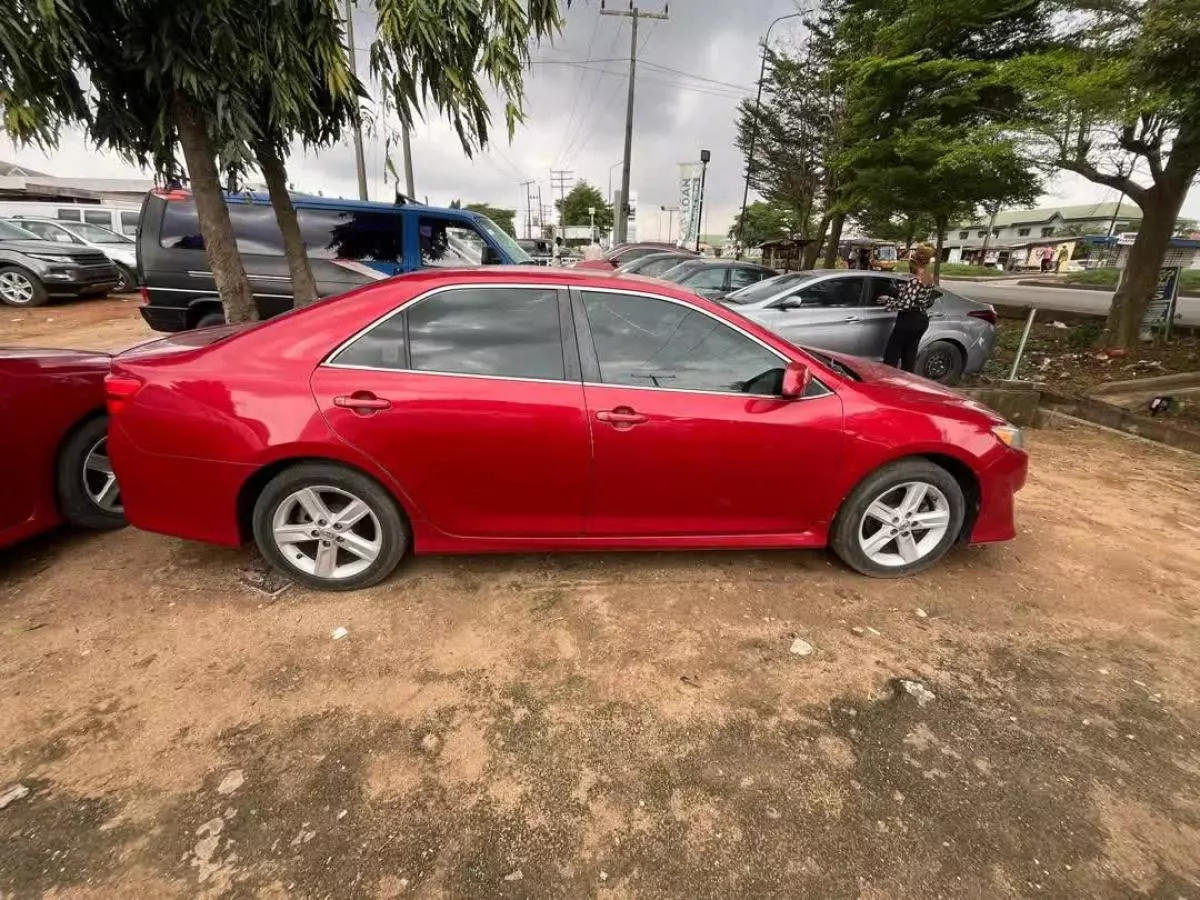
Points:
(887, 383)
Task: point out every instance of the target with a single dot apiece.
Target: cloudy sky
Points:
(697, 65)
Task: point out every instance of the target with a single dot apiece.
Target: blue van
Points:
(350, 243)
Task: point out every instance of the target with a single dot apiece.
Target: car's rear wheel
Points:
(941, 361)
(20, 288)
(899, 520)
(329, 527)
(88, 493)
(208, 319)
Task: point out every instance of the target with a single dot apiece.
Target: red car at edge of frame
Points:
(532, 409)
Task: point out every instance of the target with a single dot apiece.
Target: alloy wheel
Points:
(327, 532)
(15, 288)
(99, 480)
(904, 524)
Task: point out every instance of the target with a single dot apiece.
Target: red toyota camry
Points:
(516, 409)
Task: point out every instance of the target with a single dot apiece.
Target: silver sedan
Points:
(840, 311)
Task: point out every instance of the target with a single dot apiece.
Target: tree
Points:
(904, 229)
(502, 217)
(573, 208)
(762, 222)
(1117, 93)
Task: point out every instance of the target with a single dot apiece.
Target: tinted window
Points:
(445, 242)
(832, 292)
(769, 287)
(69, 214)
(740, 277)
(129, 221)
(627, 256)
(707, 278)
(101, 217)
(46, 231)
(656, 267)
(653, 343)
(383, 347)
(488, 331)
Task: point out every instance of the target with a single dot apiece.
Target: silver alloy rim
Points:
(327, 532)
(904, 524)
(15, 288)
(99, 480)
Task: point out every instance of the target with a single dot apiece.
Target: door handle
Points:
(852, 319)
(622, 416)
(362, 402)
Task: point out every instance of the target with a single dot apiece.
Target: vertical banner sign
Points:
(1160, 313)
(689, 202)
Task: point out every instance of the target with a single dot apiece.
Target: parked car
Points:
(122, 219)
(119, 248)
(839, 310)
(716, 278)
(540, 250)
(540, 409)
(653, 265)
(350, 243)
(33, 270)
(623, 254)
(52, 409)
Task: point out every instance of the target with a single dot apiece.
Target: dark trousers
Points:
(902, 346)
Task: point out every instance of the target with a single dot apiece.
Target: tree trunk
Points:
(813, 249)
(304, 286)
(1159, 211)
(835, 238)
(220, 243)
(941, 223)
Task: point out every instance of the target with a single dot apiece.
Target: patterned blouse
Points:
(914, 295)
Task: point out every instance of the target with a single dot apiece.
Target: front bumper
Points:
(998, 486)
(79, 281)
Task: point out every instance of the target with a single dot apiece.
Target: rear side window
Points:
(326, 233)
(101, 217)
(129, 221)
(644, 342)
(512, 332)
(70, 215)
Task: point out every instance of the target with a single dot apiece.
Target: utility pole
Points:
(528, 186)
(670, 211)
(360, 164)
(621, 225)
(541, 213)
(408, 173)
(558, 181)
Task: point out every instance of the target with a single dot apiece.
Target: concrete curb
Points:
(1158, 382)
(1106, 288)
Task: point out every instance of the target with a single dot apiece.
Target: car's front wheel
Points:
(329, 527)
(900, 519)
(20, 288)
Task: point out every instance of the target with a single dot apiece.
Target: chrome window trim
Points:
(327, 362)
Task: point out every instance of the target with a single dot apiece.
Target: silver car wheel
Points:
(99, 481)
(15, 288)
(904, 524)
(327, 532)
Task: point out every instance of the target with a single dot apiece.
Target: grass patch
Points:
(1189, 279)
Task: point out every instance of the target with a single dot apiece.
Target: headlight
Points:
(1010, 436)
(60, 260)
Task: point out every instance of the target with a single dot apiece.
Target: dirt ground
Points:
(622, 725)
(105, 323)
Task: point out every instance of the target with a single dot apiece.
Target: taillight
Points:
(988, 315)
(145, 292)
(119, 390)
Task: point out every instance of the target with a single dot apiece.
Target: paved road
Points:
(1013, 294)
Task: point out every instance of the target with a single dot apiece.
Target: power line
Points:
(579, 86)
(591, 100)
(693, 88)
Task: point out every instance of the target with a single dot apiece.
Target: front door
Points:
(689, 434)
(827, 314)
(467, 398)
(877, 320)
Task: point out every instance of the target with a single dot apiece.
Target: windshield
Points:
(768, 288)
(11, 232)
(506, 241)
(885, 254)
(96, 234)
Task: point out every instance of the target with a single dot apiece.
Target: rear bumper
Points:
(998, 485)
(165, 318)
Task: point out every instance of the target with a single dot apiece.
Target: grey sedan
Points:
(840, 311)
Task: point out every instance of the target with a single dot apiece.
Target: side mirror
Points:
(795, 380)
(789, 303)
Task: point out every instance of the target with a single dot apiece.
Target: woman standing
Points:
(910, 304)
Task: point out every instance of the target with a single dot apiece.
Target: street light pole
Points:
(762, 74)
(705, 156)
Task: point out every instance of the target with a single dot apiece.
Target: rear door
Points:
(689, 434)
(827, 314)
(470, 397)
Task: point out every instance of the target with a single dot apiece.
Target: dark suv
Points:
(33, 270)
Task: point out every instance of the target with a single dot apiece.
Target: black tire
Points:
(393, 532)
(208, 319)
(16, 276)
(941, 361)
(128, 278)
(75, 486)
(844, 537)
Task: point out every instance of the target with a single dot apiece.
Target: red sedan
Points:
(524, 410)
(54, 443)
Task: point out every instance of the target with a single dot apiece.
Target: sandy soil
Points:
(622, 725)
(105, 323)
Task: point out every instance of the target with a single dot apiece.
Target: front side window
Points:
(97, 234)
(448, 243)
(742, 277)
(835, 292)
(646, 342)
(47, 232)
